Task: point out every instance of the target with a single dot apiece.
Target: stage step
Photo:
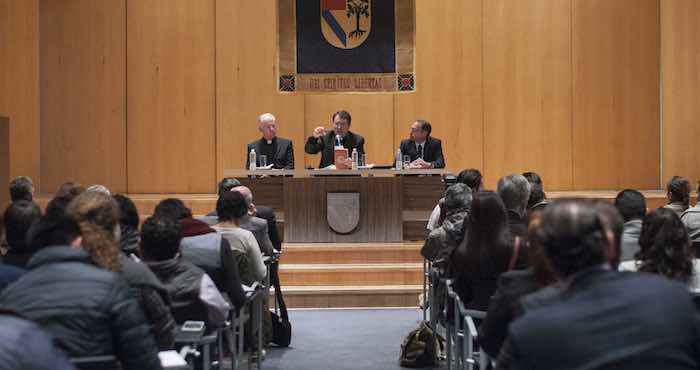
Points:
(351, 274)
(352, 253)
(350, 296)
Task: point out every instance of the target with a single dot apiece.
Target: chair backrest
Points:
(696, 249)
(107, 362)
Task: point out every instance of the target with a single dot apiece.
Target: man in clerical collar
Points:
(424, 150)
(277, 152)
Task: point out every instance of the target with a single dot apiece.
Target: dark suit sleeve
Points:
(361, 146)
(247, 156)
(403, 147)
(313, 145)
(269, 215)
(290, 157)
(494, 328)
(439, 161)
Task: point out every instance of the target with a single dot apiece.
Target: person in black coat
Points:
(18, 219)
(278, 151)
(8, 275)
(424, 150)
(599, 318)
(87, 309)
(324, 142)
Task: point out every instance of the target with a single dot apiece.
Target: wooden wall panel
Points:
(527, 90)
(171, 96)
(19, 83)
(83, 135)
(246, 82)
(616, 94)
(680, 61)
(448, 81)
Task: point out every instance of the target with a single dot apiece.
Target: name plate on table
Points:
(343, 212)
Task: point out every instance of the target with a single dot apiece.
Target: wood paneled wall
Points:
(568, 88)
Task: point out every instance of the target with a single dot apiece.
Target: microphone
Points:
(337, 140)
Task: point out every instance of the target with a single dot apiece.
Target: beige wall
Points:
(162, 95)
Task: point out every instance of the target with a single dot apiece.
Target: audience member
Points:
(231, 208)
(691, 220)
(8, 275)
(97, 214)
(597, 310)
(665, 249)
(128, 225)
(470, 177)
(538, 198)
(632, 207)
(514, 190)
(613, 224)
(255, 225)
(69, 189)
(21, 188)
(442, 241)
(87, 309)
(18, 218)
(194, 295)
(25, 346)
(678, 193)
(485, 253)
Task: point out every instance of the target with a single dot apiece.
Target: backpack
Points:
(422, 347)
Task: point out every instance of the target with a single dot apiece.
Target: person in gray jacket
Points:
(632, 207)
(255, 225)
(691, 220)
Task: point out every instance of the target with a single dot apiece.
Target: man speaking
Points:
(324, 142)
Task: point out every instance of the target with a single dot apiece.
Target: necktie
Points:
(420, 151)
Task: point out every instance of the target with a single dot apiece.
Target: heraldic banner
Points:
(346, 45)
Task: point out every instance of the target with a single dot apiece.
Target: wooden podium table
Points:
(326, 206)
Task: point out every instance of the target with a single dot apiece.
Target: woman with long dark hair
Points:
(665, 248)
(485, 252)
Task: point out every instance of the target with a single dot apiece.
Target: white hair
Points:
(265, 117)
(97, 188)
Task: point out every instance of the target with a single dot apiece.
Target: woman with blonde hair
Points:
(98, 216)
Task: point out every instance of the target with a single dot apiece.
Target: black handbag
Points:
(281, 327)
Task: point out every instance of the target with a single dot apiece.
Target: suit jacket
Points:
(609, 320)
(264, 212)
(432, 151)
(325, 144)
(284, 153)
(258, 227)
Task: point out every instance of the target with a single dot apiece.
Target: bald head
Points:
(246, 193)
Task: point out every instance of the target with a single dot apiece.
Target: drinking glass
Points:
(362, 160)
(263, 160)
(406, 161)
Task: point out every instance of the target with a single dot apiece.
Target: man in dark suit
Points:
(425, 151)
(277, 150)
(324, 142)
(599, 318)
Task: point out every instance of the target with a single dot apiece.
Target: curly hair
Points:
(665, 246)
(98, 217)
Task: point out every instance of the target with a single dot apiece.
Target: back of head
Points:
(247, 194)
(231, 206)
(21, 188)
(631, 204)
(533, 177)
(665, 246)
(488, 237)
(537, 194)
(97, 188)
(18, 218)
(128, 214)
(472, 178)
(678, 189)
(98, 216)
(573, 236)
(515, 192)
(172, 208)
(488, 216)
(69, 190)
(160, 238)
(457, 197)
(52, 229)
(613, 223)
(226, 184)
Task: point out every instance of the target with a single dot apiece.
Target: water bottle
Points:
(399, 160)
(354, 159)
(252, 160)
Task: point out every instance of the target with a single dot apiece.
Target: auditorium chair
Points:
(462, 334)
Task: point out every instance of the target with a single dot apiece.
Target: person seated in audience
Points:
(278, 151)
(225, 185)
(444, 240)
(98, 216)
(665, 249)
(87, 309)
(514, 190)
(598, 318)
(194, 295)
(504, 306)
(18, 219)
(8, 275)
(21, 188)
(470, 177)
(205, 248)
(424, 150)
(255, 225)
(537, 198)
(614, 225)
(678, 194)
(25, 346)
(691, 220)
(231, 209)
(485, 252)
(128, 225)
(324, 141)
(632, 207)
(97, 188)
(69, 189)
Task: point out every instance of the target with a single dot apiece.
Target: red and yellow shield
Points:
(346, 24)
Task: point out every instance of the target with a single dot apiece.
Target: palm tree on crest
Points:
(357, 8)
